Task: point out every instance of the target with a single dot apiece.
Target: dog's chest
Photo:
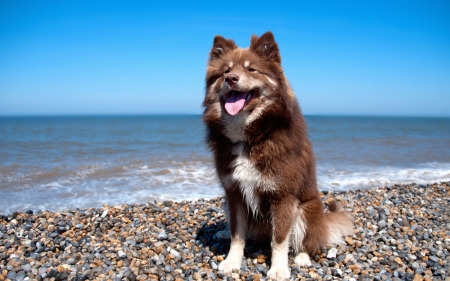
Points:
(250, 180)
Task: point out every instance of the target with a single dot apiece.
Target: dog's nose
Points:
(231, 79)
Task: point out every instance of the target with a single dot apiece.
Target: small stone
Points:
(196, 276)
(261, 269)
(11, 275)
(349, 240)
(26, 267)
(337, 272)
(348, 258)
(175, 254)
(433, 258)
(121, 254)
(52, 273)
(162, 236)
(261, 259)
(332, 253)
(415, 265)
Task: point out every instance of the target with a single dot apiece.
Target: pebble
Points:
(175, 254)
(197, 276)
(332, 253)
(162, 236)
(26, 267)
(402, 232)
(121, 254)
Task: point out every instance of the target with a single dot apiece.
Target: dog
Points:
(263, 158)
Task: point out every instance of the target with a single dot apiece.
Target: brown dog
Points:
(263, 158)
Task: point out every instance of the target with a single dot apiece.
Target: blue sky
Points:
(147, 57)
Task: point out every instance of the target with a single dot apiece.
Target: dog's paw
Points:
(303, 260)
(229, 264)
(279, 273)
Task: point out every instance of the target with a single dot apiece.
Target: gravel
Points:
(402, 233)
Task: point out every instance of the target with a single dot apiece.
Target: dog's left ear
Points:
(266, 47)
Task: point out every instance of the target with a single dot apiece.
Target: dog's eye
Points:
(251, 69)
(227, 71)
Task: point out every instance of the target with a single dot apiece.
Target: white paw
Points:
(228, 265)
(303, 260)
(279, 273)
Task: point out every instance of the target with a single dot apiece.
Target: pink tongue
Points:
(235, 103)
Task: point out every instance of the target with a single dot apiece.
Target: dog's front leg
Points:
(282, 220)
(238, 227)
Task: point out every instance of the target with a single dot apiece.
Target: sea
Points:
(58, 163)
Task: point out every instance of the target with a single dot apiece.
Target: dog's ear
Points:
(220, 47)
(266, 47)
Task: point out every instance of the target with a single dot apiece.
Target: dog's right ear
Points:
(220, 47)
(266, 47)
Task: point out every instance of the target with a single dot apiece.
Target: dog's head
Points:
(248, 83)
(244, 78)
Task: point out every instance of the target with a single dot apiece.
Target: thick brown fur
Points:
(263, 157)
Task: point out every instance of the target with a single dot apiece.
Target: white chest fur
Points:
(248, 177)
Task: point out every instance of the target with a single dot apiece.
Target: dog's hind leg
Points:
(298, 234)
(309, 231)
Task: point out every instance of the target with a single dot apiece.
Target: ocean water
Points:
(58, 163)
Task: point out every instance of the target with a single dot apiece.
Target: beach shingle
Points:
(402, 233)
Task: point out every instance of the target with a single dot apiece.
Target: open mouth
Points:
(238, 100)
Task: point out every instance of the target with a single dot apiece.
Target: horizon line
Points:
(199, 114)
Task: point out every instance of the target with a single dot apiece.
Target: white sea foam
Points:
(96, 185)
(332, 178)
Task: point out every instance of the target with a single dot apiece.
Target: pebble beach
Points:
(402, 232)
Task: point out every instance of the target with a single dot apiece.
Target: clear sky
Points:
(147, 57)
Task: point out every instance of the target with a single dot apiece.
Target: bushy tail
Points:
(339, 223)
(315, 229)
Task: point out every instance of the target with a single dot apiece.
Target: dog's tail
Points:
(339, 223)
(315, 229)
